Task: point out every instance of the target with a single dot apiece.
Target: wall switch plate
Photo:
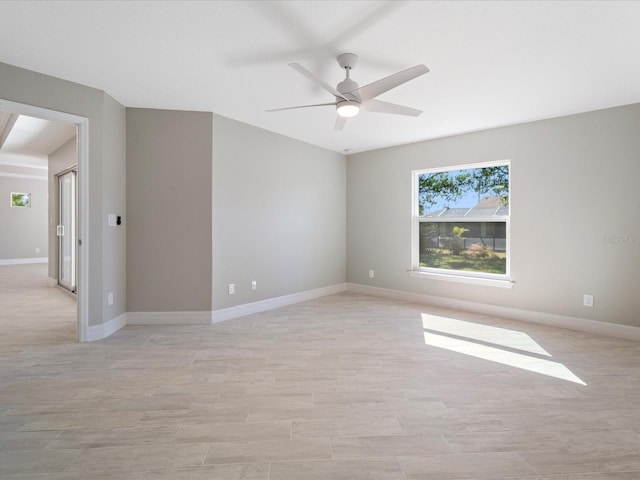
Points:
(232, 288)
(371, 274)
(113, 219)
(588, 301)
(254, 284)
(110, 298)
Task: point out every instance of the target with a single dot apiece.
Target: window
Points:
(461, 221)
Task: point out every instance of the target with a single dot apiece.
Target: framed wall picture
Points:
(20, 199)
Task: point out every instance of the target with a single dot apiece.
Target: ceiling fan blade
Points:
(299, 68)
(386, 107)
(302, 106)
(340, 121)
(379, 87)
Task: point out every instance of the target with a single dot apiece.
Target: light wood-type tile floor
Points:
(345, 387)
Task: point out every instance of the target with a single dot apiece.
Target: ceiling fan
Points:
(351, 98)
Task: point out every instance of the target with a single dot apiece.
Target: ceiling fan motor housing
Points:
(346, 86)
(351, 106)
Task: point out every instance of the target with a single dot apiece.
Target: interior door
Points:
(66, 230)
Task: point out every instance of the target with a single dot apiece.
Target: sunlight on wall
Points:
(510, 339)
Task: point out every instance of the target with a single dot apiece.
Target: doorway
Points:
(74, 268)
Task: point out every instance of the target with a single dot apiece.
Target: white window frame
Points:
(478, 278)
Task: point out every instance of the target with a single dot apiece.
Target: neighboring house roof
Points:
(490, 201)
(486, 207)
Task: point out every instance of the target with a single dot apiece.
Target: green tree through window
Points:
(462, 219)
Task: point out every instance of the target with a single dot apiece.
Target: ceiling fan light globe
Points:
(348, 109)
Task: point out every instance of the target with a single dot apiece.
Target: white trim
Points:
(82, 256)
(23, 175)
(22, 261)
(6, 163)
(168, 318)
(459, 278)
(276, 302)
(466, 166)
(213, 227)
(463, 219)
(99, 332)
(560, 321)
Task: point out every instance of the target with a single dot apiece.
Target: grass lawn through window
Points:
(495, 262)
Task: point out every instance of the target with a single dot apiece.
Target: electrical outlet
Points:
(232, 288)
(254, 285)
(110, 298)
(37, 250)
(588, 301)
(371, 274)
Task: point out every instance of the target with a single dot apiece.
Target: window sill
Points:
(491, 282)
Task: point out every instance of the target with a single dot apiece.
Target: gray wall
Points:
(106, 133)
(280, 204)
(63, 158)
(23, 229)
(114, 200)
(279, 213)
(574, 185)
(168, 210)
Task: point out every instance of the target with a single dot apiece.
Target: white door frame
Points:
(82, 124)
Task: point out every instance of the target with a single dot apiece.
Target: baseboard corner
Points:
(230, 313)
(104, 330)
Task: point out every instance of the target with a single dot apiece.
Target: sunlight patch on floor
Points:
(485, 333)
(474, 332)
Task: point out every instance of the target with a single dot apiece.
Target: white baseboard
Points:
(23, 261)
(550, 319)
(99, 332)
(271, 303)
(169, 318)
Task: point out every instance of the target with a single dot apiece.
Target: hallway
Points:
(32, 313)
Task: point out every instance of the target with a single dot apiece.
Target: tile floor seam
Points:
(444, 438)
(401, 469)
(331, 447)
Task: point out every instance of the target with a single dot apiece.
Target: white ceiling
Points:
(492, 63)
(36, 137)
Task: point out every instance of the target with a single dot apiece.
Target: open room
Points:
(38, 166)
(320, 240)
